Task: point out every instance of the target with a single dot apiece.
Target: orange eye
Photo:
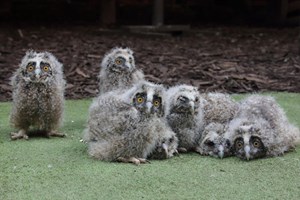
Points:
(239, 144)
(140, 100)
(156, 103)
(256, 144)
(118, 61)
(30, 68)
(46, 68)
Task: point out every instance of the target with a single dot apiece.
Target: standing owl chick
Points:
(219, 109)
(127, 126)
(184, 116)
(118, 70)
(38, 95)
(261, 129)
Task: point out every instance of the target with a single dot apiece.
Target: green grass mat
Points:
(59, 168)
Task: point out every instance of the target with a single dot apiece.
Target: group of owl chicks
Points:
(134, 120)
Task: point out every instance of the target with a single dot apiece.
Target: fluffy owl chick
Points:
(218, 107)
(218, 110)
(118, 70)
(127, 125)
(261, 129)
(184, 116)
(38, 95)
(213, 143)
(167, 145)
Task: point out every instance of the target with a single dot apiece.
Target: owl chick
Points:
(261, 129)
(38, 95)
(184, 116)
(219, 109)
(127, 126)
(213, 143)
(118, 70)
(167, 145)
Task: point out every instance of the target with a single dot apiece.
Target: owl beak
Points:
(247, 152)
(165, 148)
(37, 73)
(127, 65)
(221, 151)
(192, 104)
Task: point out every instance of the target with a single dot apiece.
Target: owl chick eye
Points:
(118, 61)
(156, 103)
(183, 99)
(140, 100)
(30, 68)
(130, 60)
(256, 143)
(239, 144)
(46, 68)
(227, 143)
(210, 143)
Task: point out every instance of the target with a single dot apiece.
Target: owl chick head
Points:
(248, 143)
(39, 67)
(147, 98)
(214, 143)
(118, 60)
(183, 99)
(166, 148)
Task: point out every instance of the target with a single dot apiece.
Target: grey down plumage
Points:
(128, 125)
(184, 115)
(218, 110)
(261, 129)
(118, 70)
(38, 95)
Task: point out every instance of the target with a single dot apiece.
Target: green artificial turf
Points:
(59, 168)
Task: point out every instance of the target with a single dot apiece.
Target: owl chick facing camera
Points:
(118, 70)
(261, 129)
(128, 125)
(38, 96)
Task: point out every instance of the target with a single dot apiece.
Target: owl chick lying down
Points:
(128, 126)
(38, 95)
(261, 129)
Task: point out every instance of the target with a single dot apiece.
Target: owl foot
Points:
(133, 160)
(19, 135)
(55, 134)
(182, 150)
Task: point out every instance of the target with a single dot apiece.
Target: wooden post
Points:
(158, 13)
(108, 12)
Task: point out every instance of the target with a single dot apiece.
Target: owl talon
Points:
(182, 150)
(19, 135)
(56, 134)
(136, 161)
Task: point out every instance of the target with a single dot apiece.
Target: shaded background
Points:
(233, 46)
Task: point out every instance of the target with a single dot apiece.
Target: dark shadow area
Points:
(231, 46)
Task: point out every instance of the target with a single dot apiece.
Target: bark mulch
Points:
(223, 58)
